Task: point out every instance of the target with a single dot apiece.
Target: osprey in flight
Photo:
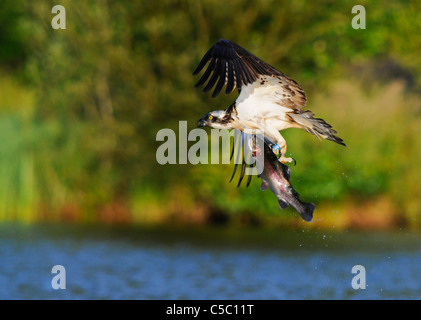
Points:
(268, 99)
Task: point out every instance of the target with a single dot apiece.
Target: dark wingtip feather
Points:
(243, 170)
(236, 134)
(206, 74)
(221, 81)
(203, 62)
(250, 176)
(239, 135)
(214, 77)
(235, 170)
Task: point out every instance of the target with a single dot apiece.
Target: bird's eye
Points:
(210, 117)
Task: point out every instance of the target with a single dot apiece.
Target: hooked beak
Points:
(202, 122)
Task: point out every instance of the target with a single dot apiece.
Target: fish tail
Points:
(306, 211)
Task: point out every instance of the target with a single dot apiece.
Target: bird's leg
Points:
(280, 148)
(251, 128)
(284, 159)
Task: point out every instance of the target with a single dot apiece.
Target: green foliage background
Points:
(80, 108)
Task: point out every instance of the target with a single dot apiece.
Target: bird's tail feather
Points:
(315, 126)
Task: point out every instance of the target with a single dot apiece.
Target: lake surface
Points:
(206, 263)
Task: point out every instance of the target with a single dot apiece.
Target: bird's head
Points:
(218, 119)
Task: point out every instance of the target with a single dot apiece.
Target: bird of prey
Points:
(269, 101)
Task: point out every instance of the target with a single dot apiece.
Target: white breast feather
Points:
(261, 102)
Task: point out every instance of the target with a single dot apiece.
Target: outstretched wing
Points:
(233, 66)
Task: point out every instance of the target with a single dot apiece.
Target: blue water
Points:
(127, 263)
